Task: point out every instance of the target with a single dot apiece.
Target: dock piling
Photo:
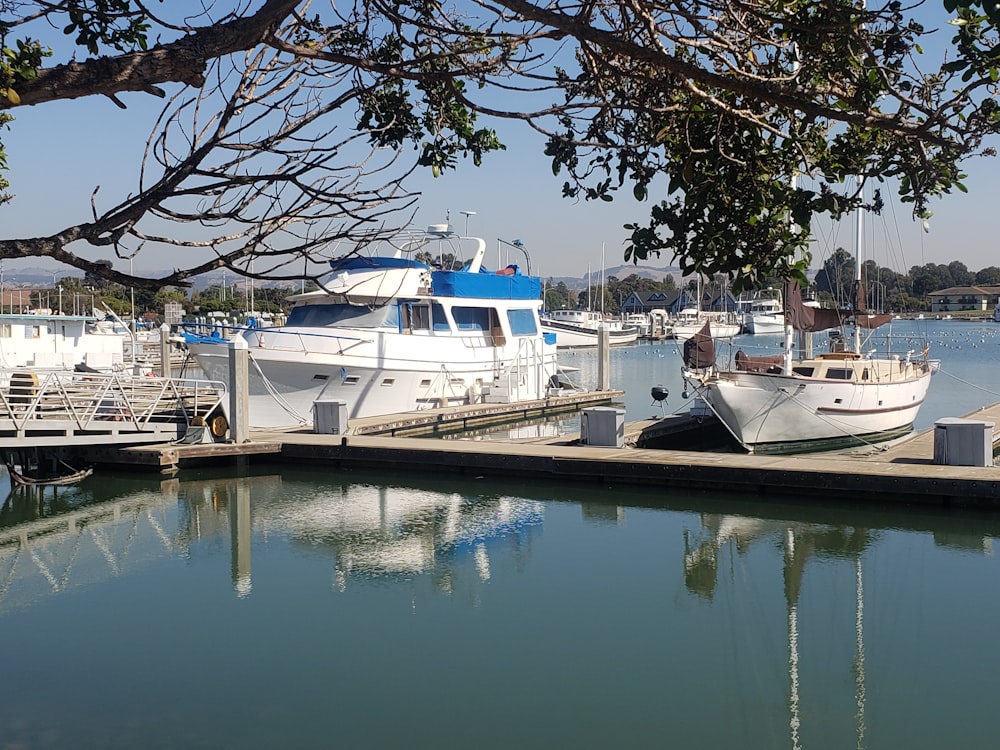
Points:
(239, 390)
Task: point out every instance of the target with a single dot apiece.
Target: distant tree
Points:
(559, 296)
(930, 277)
(989, 276)
(836, 277)
(960, 275)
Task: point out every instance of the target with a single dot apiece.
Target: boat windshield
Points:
(343, 315)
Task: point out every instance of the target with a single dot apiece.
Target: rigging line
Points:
(699, 387)
(273, 392)
(838, 424)
(968, 383)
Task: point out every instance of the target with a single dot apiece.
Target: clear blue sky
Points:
(59, 152)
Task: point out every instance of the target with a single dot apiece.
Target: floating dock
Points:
(904, 472)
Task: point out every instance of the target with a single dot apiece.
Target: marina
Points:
(501, 556)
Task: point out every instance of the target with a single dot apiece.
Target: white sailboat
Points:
(690, 321)
(840, 398)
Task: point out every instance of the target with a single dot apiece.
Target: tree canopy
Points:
(704, 112)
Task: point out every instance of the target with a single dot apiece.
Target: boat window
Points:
(353, 316)
(840, 373)
(522, 322)
(32, 332)
(386, 382)
(425, 383)
(806, 372)
(5, 331)
(439, 318)
(471, 318)
(351, 380)
(420, 317)
(864, 374)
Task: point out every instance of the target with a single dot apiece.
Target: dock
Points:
(904, 472)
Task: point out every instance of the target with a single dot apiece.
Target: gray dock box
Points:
(603, 425)
(329, 417)
(963, 442)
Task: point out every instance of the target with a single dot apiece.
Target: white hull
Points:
(571, 336)
(764, 324)
(772, 412)
(720, 330)
(284, 382)
(388, 335)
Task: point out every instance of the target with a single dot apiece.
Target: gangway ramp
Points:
(62, 408)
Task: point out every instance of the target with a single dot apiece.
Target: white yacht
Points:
(576, 328)
(763, 314)
(387, 334)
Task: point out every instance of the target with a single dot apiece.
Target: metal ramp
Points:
(61, 408)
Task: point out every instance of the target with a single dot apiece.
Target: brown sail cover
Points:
(862, 318)
(699, 350)
(769, 363)
(804, 318)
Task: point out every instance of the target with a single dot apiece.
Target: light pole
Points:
(131, 290)
(518, 245)
(467, 214)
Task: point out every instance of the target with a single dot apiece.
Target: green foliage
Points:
(432, 112)
(727, 151)
(108, 23)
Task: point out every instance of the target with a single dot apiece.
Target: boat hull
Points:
(720, 330)
(572, 336)
(286, 376)
(764, 324)
(774, 413)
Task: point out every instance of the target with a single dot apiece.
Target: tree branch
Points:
(182, 61)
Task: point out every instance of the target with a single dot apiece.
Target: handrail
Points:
(89, 401)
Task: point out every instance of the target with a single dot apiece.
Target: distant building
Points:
(676, 300)
(956, 298)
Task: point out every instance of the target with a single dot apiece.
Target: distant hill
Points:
(623, 271)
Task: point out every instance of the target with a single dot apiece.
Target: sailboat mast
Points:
(602, 279)
(858, 239)
(789, 342)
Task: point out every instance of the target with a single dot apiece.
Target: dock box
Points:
(329, 417)
(603, 425)
(963, 442)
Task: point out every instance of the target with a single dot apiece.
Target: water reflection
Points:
(54, 538)
(702, 620)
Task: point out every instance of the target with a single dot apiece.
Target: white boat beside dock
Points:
(390, 334)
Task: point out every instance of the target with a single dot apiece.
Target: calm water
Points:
(298, 607)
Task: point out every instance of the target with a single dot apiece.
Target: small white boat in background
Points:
(763, 314)
(690, 321)
(576, 328)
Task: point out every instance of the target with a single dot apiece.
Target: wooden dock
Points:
(904, 472)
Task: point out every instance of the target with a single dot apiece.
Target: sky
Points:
(59, 152)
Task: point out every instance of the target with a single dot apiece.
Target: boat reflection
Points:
(52, 542)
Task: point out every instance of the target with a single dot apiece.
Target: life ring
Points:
(219, 425)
